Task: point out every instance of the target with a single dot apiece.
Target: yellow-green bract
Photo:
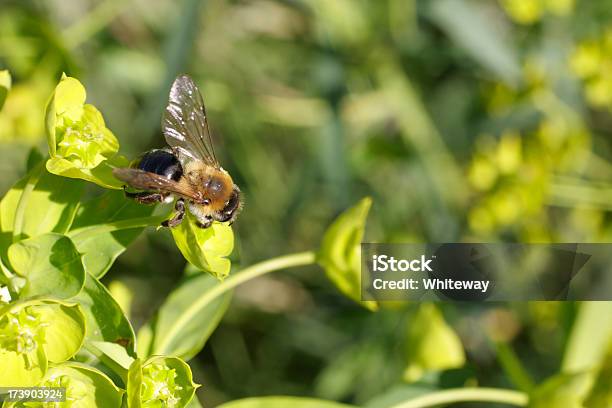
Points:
(85, 387)
(205, 248)
(340, 253)
(432, 345)
(34, 333)
(160, 381)
(80, 144)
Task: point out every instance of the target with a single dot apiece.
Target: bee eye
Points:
(206, 201)
(215, 185)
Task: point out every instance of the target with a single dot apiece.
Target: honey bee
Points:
(188, 168)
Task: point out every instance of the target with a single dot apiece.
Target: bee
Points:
(188, 168)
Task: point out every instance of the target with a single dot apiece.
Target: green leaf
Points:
(160, 381)
(35, 157)
(470, 26)
(182, 328)
(65, 332)
(342, 23)
(113, 356)
(106, 321)
(39, 203)
(205, 248)
(18, 371)
(562, 390)
(601, 393)
(102, 175)
(85, 386)
(122, 294)
(590, 336)
(100, 246)
(340, 252)
(22, 338)
(51, 265)
(399, 393)
(432, 345)
(144, 340)
(134, 384)
(114, 352)
(33, 332)
(67, 99)
(194, 403)
(80, 144)
(5, 86)
(282, 402)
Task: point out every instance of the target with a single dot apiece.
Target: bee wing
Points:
(144, 180)
(184, 122)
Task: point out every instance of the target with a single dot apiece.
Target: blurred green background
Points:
(465, 120)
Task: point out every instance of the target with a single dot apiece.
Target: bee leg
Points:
(206, 224)
(178, 217)
(146, 198)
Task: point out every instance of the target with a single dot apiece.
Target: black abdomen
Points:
(161, 162)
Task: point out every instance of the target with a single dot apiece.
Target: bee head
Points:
(232, 207)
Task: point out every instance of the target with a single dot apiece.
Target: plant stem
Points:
(253, 271)
(23, 201)
(513, 367)
(93, 230)
(450, 396)
(5, 272)
(90, 24)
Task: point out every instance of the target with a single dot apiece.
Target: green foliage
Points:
(469, 26)
(205, 249)
(585, 380)
(340, 252)
(134, 384)
(5, 85)
(54, 248)
(80, 145)
(464, 120)
(589, 61)
(39, 203)
(281, 402)
(103, 228)
(432, 345)
(34, 333)
(50, 264)
(105, 319)
(160, 381)
(601, 393)
(182, 326)
(590, 337)
(562, 390)
(57, 248)
(85, 387)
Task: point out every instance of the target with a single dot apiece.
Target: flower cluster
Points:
(80, 144)
(159, 386)
(22, 332)
(532, 11)
(591, 61)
